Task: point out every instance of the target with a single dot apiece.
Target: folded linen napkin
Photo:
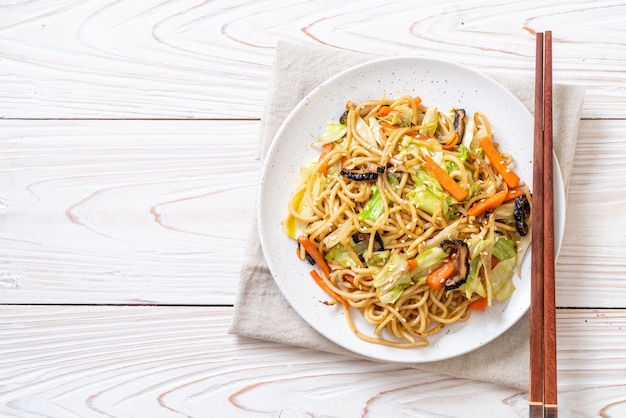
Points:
(299, 68)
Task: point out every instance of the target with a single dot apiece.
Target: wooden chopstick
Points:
(549, 308)
(543, 370)
(535, 392)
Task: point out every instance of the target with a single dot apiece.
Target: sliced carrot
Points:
(385, 110)
(317, 256)
(412, 264)
(478, 304)
(453, 142)
(387, 127)
(326, 149)
(444, 179)
(483, 205)
(513, 193)
(437, 278)
(508, 175)
(321, 283)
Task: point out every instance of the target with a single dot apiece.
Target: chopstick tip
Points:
(535, 410)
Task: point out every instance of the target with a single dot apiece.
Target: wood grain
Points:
(128, 176)
(180, 361)
(188, 59)
(124, 212)
(592, 256)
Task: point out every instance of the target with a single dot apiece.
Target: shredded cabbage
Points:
(428, 259)
(430, 121)
(502, 279)
(341, 255)
(334, 132)
(503, 249)
(292, 226)
(375, 207)
(395, 272)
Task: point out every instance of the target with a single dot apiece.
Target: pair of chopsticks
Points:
(543, 379)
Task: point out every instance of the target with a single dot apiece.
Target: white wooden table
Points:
(128, 174)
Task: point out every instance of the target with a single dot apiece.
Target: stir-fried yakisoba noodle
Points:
(412, 216)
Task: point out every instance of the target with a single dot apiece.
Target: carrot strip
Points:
(312, 250)
(385, 110)
(452, 144)
(508, 175)
(484, 205)
(513, 193)
(412, 264)
(321, 283)
(437, 278)
(478, 304)
(324, 164)
(444, 179)
(387, 127)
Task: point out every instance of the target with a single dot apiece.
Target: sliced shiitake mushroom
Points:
(361, 236)
(521, 211)
(459, 124)
(459, 253)
(359, 175)
(369, 171)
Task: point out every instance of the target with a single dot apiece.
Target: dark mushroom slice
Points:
(459, 124)
(359, 175)
(378, 243)
(368, 171)
(459, 253)
(365, 110)
(307, 256)
(521, 211)
(344, 116)
(358, 237)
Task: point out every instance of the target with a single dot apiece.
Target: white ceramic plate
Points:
(440, 84)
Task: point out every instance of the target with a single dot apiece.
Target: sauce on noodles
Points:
(411, 216)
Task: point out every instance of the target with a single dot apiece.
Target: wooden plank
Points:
(173, 361)
(157, 212)
(125, 212)
(592, 260)
(101, 59)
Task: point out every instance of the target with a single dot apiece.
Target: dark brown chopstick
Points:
(535, 392)
(543, 381)
(549, 308)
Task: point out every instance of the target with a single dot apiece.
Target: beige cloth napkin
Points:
(260, 309)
